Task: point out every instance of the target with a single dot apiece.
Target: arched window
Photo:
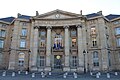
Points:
(21, 58)
(1, 56)
(95, 58)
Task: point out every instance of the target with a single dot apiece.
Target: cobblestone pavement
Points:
(9, 75)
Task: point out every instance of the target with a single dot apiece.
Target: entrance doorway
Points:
(57, 61)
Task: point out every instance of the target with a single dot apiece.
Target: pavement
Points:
(14, 75)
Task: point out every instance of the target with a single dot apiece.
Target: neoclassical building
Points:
(60, 40)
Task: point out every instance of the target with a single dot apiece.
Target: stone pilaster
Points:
(48, 49)
(103, 39)
(14, 45)
(80, 48)
(66, 65)
(35, 49)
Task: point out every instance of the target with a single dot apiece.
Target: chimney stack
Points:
(81, 12)
(18, 15)
(37, 13)
(100, 12)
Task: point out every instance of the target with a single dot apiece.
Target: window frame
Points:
(23, 44)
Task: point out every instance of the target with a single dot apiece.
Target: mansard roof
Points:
(24, 17)
(112, 16)
(7, 19)
(92, 15)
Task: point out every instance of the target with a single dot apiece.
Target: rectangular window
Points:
(117, 30)
(118, 42)
(1, 43)
(93, 30)
(2, 33)
(22, 43)
(95, 59)
(73, 42)
(94, 42)
(74, 61)
(24, 32)
(42, 61)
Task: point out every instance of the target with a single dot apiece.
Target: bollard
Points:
(19, 72)
(13, 74)
(49, 73)
(33, 74)
(108, 75)
(4, 73)
(75, 75)
(64, 75)
(42, 73)
(91, 73)
(26, 72)
(116, 73)
(97, 75)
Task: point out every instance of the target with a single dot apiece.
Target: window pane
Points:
(21, 58)
(22, 43)
(118, 42)
(2, 33)
(117, 30)
(95, 59)
(24, 32)
(1, 43)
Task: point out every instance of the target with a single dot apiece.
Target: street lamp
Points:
(28, 58)
(84, 52)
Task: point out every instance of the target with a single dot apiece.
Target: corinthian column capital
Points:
(49, 27)
(79, 26)
(66, 27)
(36, 27)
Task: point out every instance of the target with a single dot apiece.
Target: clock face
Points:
(57, 15)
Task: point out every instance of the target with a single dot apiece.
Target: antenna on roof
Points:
(37, 13)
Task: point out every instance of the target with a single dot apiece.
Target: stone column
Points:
(48, 49)
(35, 49)
(66, 65)
(80, 48)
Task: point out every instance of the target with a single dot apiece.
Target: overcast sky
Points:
(29, 7)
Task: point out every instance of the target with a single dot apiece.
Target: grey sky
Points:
(29, 7)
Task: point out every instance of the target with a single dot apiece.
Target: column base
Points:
(66, 68)
(47, 69)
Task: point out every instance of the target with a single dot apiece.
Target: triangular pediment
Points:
(58, 14)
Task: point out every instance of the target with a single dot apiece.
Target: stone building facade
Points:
(60, 40)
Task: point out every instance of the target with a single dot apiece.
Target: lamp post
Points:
(84, 52)
(28, 58)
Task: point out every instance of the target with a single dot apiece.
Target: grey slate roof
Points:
(7, 19)
(24, 17)
(112, 16)
(92, 15)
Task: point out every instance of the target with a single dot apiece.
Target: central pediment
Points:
(57, 14)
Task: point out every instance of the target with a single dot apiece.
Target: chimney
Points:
(100, 12)
(81, 12)
(37, 13)
(18, 15)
